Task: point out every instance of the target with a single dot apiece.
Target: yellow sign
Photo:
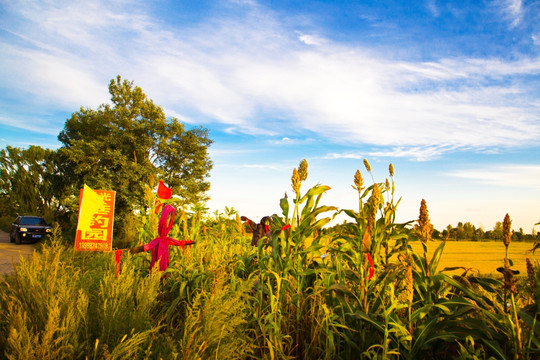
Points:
(96, 218)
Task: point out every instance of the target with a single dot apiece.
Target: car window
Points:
(33, 221)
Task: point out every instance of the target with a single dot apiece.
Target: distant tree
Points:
(121, 145)
(518, 235)
(445, 234)
(468, 231)
(450, 232)
(30, 183)
(479, 234)
(497, 231)
(460, 233)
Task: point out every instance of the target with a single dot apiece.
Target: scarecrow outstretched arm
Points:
(136, 250)
(180, 242)
(143, 248)
(252, 225)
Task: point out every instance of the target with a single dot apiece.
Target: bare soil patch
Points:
(10, 253)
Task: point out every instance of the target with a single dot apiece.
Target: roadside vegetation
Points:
(369, 289)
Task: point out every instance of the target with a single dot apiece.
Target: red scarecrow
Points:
(160, 245)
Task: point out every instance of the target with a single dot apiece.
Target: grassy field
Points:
(482, 257)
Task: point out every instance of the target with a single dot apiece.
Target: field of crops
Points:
(482, 257)
(369, 289)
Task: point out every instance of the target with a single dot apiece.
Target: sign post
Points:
(96, 219)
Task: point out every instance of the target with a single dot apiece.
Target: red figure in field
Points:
(160, 245)
(259, 230)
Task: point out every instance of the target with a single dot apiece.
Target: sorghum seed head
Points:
(424, 225)
(295, 179)
(374, 202)
(302, 170)
(376, 196)
(407, 293)
(358, 181)
(507, 232)
(238, 224)
(509, 281)
(366, 164)
(391, 169)
(409, 284)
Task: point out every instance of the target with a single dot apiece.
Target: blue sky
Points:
(447, 91)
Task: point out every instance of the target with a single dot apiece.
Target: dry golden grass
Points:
(484, 257)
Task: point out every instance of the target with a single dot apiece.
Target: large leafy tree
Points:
(120, 146)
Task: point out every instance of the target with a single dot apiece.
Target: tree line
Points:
(122, 146)
(467, 231)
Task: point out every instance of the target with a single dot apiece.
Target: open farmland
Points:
(482, 257)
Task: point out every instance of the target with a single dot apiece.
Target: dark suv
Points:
(29, 228)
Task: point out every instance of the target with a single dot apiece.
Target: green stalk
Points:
(506, 266)
(518, 328)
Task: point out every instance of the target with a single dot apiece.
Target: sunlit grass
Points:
(482, 257)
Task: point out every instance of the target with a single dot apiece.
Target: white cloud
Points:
(514, 176)
(417, 153)
(241, 73)
(432, 7)
(61, 79)
(311, 39)
(346, 155)
(34, 125)
(514, 11)
(413, 152)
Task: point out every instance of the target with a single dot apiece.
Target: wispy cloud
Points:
(513, 9)
(344, 155)
(417, 153)
(311, 39)
(34, 125)
(414, 152)
(433, 8)
(241, 73)
(522, 176)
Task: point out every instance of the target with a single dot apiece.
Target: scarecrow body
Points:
(259, 230)
(160, 245)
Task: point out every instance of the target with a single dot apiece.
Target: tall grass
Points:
(364, 290)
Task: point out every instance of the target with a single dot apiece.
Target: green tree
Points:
(469, 231)
(497, 231)
(29, 183)
(120, 146)
(479, 234)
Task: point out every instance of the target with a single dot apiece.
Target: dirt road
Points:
(10, 253)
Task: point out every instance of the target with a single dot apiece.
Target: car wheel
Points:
(11, 238)
(18, 239)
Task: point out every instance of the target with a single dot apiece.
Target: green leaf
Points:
(495, 349)
(315, 190)
(284, 204)
(434, 263)
(487, 284)
(532, 322)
